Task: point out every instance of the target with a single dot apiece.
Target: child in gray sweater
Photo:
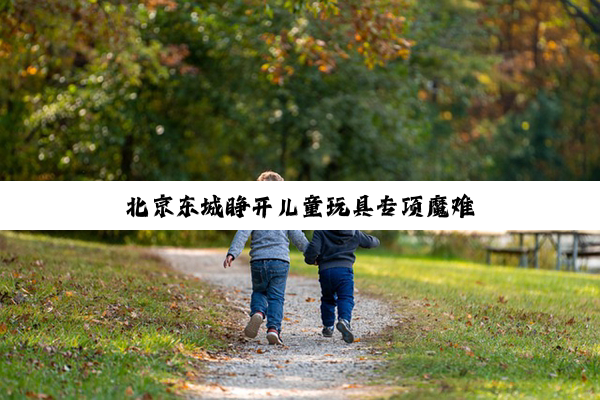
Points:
(269, 264)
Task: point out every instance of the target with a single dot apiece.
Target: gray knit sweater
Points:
(268, 244)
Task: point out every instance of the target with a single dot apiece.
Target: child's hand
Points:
(228, 260)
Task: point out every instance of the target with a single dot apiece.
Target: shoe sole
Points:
(273, 338)
(327, 335)
(253, 326)
(346, 334)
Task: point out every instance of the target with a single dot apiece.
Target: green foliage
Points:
(165, 90)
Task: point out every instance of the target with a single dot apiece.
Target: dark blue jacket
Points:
(332, 249)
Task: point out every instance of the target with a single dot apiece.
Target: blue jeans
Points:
(337, 289)
(268, 290)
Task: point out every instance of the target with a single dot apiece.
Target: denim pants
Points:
(337, 289)
(268, 290)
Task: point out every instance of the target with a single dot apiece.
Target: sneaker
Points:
(254, 324)
(274, 337)
(327, 331)
(344, 327)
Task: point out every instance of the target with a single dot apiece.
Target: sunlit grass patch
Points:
(80, 319)
(468, 330)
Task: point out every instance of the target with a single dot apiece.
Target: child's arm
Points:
(299, 240)
(367, 241)
(314, 248)
(237, 245)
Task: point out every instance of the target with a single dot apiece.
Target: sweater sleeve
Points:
(238, 243)
(314, 248)
(367, 241)
(299, 240)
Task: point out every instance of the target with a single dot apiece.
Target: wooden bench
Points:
(583, 253)
(522, 252)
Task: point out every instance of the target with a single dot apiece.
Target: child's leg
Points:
(328, 301)
(277, 272)
(258, 301)
(344, 286)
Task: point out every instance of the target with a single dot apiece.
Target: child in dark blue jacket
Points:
(333, 251)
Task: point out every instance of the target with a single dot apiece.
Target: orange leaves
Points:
(167, 4)
(376, 33)
(310, 300)
(379, 31)
(33, 395)
(3, 328)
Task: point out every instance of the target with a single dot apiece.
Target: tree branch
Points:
(581, 14)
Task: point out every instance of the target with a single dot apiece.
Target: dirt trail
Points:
(309, 366)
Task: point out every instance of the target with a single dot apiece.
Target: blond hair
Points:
(269, 176)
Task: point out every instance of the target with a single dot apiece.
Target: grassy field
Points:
(81, 320)
(473, 331)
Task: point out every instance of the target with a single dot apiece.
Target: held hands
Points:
(228, 260)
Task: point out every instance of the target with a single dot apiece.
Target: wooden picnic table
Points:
(578, 250)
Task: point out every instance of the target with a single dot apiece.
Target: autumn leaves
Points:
(372, 31)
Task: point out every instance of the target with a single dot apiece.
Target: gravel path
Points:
(309, 366)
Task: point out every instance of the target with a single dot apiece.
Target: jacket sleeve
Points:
(238, 243)
(367, 241)
(314, 248)
(299, 240)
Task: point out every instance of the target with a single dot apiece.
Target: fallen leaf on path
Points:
(356, 340)
(310, 300)
(260, 351)
(351, 386)
(33, 395)
(328, 355)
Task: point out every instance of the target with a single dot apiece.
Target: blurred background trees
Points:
(355, 90)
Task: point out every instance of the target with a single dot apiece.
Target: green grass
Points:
(472, 331)
(83, 320)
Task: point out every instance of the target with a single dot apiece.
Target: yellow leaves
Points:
(264, 67)
(446, 115)
(403, 53)
(483, 78)
(525, 125)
